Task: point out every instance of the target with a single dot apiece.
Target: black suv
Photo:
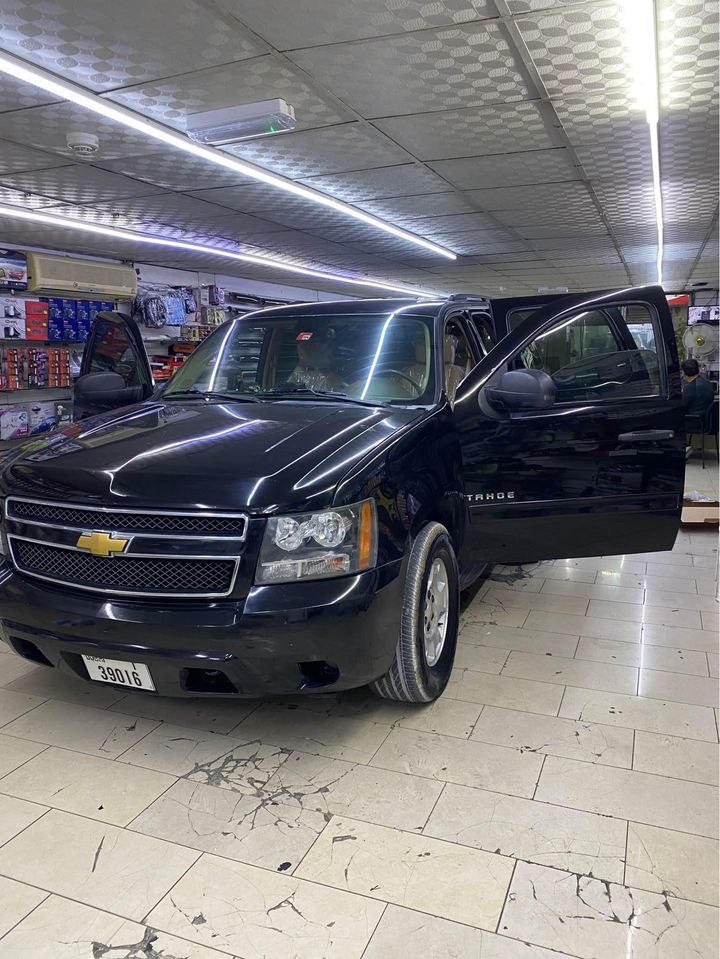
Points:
(300, 507)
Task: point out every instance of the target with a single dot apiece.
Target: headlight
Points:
(334, 542)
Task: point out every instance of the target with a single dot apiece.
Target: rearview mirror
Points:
(523, 390)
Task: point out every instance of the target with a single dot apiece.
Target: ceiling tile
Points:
(602, 118)
(515, 169)
(547, 196)
(402, 180)
(46, 128)
(15, 95)
(457, 223)
(506, 128)
(403, 210)
(19, 198)
(170, 101)
(540, 231)
(617, 161)
(108, 44)
(528, 6)
(290, 25)
(78, 184)
(688, 54)
(15, 158)
(173, 170)
(336, 149)
(456, 67)
(580, 51)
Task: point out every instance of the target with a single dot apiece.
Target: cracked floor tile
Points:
(430, 875)
(258, 914)
(677, 863)
(593, 919)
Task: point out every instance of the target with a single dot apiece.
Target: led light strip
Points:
(18, 213)
(20, 70)
(641, 27)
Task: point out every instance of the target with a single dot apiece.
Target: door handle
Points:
(646, 436)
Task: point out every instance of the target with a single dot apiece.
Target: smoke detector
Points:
(83, 145)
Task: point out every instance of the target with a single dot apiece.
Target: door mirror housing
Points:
(523, 390)
(106, 391)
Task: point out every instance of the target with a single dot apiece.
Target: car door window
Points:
(593, 355)
(114, 352)
(482, 325)
(458, 357)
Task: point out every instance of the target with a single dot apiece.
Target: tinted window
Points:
(594, 355)
(113, 352)
(458, 357)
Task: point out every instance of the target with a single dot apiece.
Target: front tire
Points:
(426, 645)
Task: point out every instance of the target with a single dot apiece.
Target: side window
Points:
(458, 357)
(113, 352)
(595, 355)
(482, 325)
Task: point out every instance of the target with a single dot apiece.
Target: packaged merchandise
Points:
(13, 422)
(36, 320)
(55, 318)
(69, 320)
(63, 413)
(12, 318)
(42, 417)
(83, 320)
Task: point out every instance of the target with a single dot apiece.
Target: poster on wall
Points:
(13, 270)
(703, 314)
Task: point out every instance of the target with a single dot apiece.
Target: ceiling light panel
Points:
(118, 44)
(506, 128)
(451, 68)
(171, 101)
(291, 25)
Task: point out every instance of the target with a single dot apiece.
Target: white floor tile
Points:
(15, 752)
(552, 736)
(16, 815)
(16, 901)
(671, 599)
(617, 594)
(51, 684)
(710, 621)
(529, 695)
(13, 666)
(456, 761)
(95, 863)
(699, 690)
(14, 704)
(526, 829)
(523, 640)
(713, 664)
(507, 599)
(62, 929)
(212, 715)
(601, 628)
(627, 794)
(700, 639)
(633, 613)
(675, 863)
(483, 658)
(591, 919)
(640, 654)
(86, 785)
(621, 564)
(635, 712)
(572, 672)
(408, 870)
(257, 913)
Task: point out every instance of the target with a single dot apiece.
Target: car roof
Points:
(379, 306)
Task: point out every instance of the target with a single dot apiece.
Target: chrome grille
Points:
(149, 522)
(133, 575)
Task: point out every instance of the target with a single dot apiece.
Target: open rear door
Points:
(572, 432)
(115, 369)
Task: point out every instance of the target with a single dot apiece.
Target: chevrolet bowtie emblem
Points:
(101, 544)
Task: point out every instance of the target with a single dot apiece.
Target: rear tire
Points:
(426, 645)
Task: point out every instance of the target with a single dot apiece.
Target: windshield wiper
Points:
(320, 394)
(214, 395)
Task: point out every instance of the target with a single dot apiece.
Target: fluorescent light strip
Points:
(20, 70)
(35, 216)
(641, 27)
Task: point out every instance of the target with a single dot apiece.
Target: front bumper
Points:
(298, 637)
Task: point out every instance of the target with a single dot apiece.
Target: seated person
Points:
(697, 391)
(317, 364)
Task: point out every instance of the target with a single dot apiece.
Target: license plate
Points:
(119, 672)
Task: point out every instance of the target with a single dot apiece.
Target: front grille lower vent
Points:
(134, 575)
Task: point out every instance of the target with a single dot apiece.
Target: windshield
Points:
(375, 358)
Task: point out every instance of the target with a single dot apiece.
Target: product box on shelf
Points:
(69, 320)
(36, 320)
(12, 318)
(83, 319)
(107, 306)
(63, 413)
(42, 417)
(13, 422)
(38, 368)
(55, 318)
(14, 366)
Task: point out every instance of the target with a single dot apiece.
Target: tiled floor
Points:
(559, 801)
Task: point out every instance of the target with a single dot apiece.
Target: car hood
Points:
(197, 454)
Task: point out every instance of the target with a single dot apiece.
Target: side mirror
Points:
(106, 391)
(523, 390)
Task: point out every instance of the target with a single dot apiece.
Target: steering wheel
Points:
(403, 376)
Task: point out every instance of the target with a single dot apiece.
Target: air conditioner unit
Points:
(61, 274)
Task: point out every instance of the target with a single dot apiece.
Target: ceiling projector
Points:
(244, 122)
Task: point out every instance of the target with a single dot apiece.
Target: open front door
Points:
(572, 433)
(115, 369)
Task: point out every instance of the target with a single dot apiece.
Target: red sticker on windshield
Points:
(304, 336)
